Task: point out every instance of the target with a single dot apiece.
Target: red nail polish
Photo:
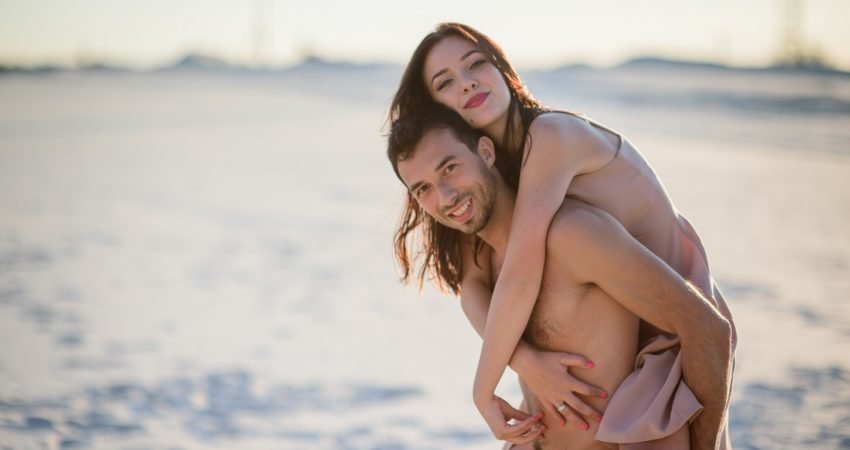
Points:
(583, 426)
(599, 418)
(589, 365)
(603, 394)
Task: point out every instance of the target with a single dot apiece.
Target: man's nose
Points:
(448, 195)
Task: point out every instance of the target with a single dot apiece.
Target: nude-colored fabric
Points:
(652, 403)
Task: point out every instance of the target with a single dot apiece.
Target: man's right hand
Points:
(546, 374)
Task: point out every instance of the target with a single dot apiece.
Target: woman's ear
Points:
(487, 150)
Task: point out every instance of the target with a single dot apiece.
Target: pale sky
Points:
(534, 33)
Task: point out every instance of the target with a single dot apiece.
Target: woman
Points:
(545, 156)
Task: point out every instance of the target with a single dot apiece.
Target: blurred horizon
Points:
(541, 35)
(213, 63)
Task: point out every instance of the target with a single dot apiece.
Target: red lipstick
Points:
(476, 100)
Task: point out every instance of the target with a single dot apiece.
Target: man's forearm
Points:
(707, 366)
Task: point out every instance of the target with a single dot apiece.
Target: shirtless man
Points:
(598, 283)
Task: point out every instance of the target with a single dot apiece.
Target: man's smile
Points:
(462, 212)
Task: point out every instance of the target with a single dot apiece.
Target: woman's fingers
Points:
(530, 436)
(583, 408)
(512, 413)
(580, 387)
(571, 417)
(552, 411)
(571, 360)
(499, 418)
(516, 431)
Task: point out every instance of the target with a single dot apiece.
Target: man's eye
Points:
(450, 168)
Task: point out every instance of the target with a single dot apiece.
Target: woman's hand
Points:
(499, 414)
(547, 376)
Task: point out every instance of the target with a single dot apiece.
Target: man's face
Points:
(451, 183)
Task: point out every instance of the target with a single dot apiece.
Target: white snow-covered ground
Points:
(203, 260)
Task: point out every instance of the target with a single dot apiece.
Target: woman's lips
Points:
(476, 100)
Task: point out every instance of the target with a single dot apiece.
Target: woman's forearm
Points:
(501, 341)
(475, 301)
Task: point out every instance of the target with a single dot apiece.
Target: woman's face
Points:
(457, 74)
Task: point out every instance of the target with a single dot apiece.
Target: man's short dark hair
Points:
(406, 132)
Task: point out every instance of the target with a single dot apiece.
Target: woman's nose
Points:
(469, 85)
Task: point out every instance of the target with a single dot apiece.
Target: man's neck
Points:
(498, 228)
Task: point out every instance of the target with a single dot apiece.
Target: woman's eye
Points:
(477, 63)
(443, 84)
(421, 191)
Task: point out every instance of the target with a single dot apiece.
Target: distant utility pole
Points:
(792, 33)
(262, 31)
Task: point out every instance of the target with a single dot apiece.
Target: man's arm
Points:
(606, 255)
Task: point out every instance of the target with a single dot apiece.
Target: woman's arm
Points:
(545, 373)
(560, 147)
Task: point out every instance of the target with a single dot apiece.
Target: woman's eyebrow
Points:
(465, 55)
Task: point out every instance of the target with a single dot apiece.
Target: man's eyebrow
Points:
(465, 55)
(442, 163)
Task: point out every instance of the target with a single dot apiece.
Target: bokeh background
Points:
(196, 212)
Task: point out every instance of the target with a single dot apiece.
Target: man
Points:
(598, 282)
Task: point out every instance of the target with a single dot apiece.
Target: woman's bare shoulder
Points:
(573, 134)
(561, 125)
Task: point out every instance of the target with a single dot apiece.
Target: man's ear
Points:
(487, 150)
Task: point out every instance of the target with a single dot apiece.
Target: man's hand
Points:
(499, 415)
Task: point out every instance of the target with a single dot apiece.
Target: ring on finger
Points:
(561, 407)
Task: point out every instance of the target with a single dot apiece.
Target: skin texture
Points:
(560, 149)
